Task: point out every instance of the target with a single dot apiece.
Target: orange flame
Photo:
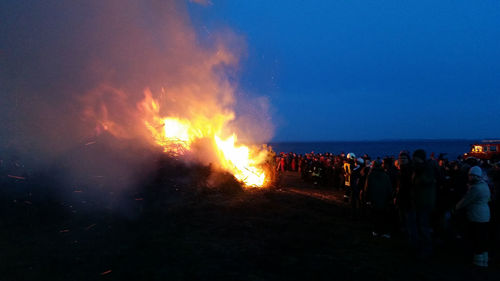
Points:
(177, 135)
(191, 111)
(238, 160)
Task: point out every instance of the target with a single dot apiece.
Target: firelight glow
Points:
(177, 131)
(176, 135)
(237, 159)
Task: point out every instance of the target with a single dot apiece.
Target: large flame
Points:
(189, 109)
(238, 160)
(176, 135)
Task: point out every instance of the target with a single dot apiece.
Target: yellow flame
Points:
(238, 160)
(176, 136)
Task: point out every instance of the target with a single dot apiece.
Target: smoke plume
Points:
(74, 75)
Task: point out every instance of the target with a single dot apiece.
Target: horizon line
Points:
(387, 139)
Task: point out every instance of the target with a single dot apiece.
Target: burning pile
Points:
(140, 71)
(187, 107)
(178, 135)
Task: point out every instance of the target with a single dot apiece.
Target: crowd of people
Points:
(427, 199)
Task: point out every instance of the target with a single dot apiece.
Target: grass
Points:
(169, 229)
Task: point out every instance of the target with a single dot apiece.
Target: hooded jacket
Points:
(476, 202)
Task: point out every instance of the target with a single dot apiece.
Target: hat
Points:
(476, 171)
(351, 155)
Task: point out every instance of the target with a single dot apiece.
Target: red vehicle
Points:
(487, 150)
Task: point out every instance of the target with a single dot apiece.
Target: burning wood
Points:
(177, 136)
(191, 116)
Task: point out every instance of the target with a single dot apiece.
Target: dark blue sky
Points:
(367, 70)
(330, 70)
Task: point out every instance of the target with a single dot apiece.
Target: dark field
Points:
(167, 230)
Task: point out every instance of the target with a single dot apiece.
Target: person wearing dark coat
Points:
(357, 182)
(378, 195)
(423, 198)
(404, 203)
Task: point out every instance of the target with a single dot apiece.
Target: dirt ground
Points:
(161, 232)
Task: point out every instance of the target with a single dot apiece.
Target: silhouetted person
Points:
(378, 194)
(356, 184)
(423, 197)
(404, 202)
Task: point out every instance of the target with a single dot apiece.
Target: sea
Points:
(450, 149)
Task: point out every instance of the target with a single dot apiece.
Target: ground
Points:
(294, 232)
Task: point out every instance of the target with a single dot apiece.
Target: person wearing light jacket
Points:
(475, 202)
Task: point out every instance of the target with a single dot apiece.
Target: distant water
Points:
(452, 148)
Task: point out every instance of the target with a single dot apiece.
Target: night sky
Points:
(325, 70)
(369, 70)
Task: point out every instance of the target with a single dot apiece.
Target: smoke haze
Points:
(74, 71)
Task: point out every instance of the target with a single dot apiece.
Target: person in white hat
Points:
(475, 202)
